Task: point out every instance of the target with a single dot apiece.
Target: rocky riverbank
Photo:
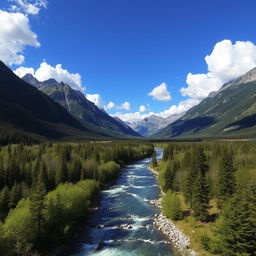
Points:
(177, 238)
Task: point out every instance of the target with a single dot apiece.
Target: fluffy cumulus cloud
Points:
(132, 117)
(125, 106)
(182, 107)
(22, 71)
(46, 71)
(160, 93)
(96, 99)
(28, 6)
(227, 62)
(15, 35)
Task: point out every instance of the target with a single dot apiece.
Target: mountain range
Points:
(231, 111)
(76, 104)
(30, 111)
(152, 124)
(54, 110)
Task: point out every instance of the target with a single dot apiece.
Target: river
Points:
(127, 203)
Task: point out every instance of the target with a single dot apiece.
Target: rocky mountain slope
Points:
(77, 104)
(26, 109)
(229, 111)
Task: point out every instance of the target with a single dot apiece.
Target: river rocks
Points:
(125, 226)
(177, 238)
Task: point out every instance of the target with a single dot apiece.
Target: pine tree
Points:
(200, 199)
(169, 175)
(62, 172)
(15, 196)
(4, 202)
(154, 160)
(37, 205)
(226, 181)
(43, 175)
(196, 171)
(168, 153)
(235, 231)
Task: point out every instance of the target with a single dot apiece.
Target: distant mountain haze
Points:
(153, 124)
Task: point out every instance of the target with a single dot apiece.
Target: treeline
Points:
(46, 189)
(208, 175)
(12, 136)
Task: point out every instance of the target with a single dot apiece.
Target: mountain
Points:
(30, 111)
(77, 104)
(229, 111)
(153, 124)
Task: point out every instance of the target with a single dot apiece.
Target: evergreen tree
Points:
(200, 199)
(62, 172)
(4, 202)
(235, 231)
(189, 183)
(43, 175)
(2, 174)
(226, 181)
(154, 160)
(196, 173)
(168, 153)
(15, 196)
(37, 205)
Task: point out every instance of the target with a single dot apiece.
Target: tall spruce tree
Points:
(168, 153)
(169, 175)
(154, 160)
(226, 181)
(61, 175)
(200, 198)
(235, 231)
(4, 202)
(196, 188)
(15, 196)
(37, 205)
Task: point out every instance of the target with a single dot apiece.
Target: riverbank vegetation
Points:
(47, 189)
(214, 186)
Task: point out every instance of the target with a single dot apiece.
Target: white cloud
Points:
(22, 71)
(131, 117)
(46, 71)
(15, 34)
(227, 62)
(182, 107)
(143, 108)
(125, 106)
(110, 105)
(160, 93)
(29, 7)
(96, 99)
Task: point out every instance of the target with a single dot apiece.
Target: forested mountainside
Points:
(230, 111)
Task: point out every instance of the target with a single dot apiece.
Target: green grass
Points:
(195, 229)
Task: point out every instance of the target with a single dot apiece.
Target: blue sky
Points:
(123, 49)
